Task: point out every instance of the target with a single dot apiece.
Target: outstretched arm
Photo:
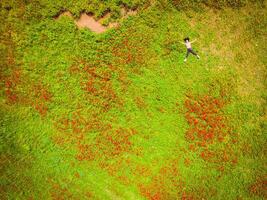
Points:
(193, 41)
(182, 42)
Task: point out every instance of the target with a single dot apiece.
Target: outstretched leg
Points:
(187, 54)
(194, 53)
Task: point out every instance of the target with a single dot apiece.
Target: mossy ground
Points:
(120, 115)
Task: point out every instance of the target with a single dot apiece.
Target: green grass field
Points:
(120, 115)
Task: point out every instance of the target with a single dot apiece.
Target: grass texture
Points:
(119, 115)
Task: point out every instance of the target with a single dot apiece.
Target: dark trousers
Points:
(190, 51)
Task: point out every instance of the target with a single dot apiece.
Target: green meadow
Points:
(120, 115)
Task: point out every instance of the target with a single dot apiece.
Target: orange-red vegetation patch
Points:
(206, 123)
(99, 88)
(18, 90)
(89, 195)
(96, 81)
(259, 188)
(198, 193)
(85, 152)
(107, 145)
(11, 86)
(77, 175)
(188, 196)
(130, 49)
(142, 171)
(121, 166)
(128, 52)
(115, 142)
(124, 180)
(57, 192)
(187, 162)
(167, 184)
(40, 97)
(108, 142)
(140, 103)
(74, 130)
(209, 134)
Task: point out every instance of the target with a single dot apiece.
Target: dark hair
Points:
(187, 38)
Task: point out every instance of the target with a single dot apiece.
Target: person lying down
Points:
(188, 45)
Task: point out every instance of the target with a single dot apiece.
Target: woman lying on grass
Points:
(187, 43)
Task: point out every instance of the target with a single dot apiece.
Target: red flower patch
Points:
(208, 128)
(108, 143)
(167, 184)
(11, 86)
(259, 187)
(34, 95)
(114, 142)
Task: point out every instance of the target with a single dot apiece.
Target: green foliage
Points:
(104, 116)
(218, 4)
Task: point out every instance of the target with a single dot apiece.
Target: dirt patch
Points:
(88, 21)
(85, 21)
